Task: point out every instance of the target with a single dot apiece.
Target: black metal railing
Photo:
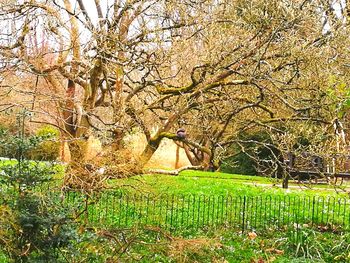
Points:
(181, 212)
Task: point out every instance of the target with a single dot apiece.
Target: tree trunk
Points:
(285, 181)
(150, 149)
(177, 157)
(68, 111)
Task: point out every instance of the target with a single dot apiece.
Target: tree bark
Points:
(285, 181)
(149, 150)
(177, 157)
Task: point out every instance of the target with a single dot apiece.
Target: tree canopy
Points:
(216, 68)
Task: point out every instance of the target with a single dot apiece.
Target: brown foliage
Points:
(92, 175)
(119, 163)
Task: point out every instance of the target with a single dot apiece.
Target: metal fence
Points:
(181, 212)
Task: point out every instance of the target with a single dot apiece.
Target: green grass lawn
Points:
(218, 175)
(209, 183)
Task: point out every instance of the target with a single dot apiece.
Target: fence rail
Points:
(180, 212)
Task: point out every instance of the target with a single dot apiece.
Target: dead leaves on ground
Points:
(252, 235)
(180, 248)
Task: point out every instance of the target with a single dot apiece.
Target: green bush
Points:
(44, 145)
(48, 149)
(48, 132)
(35, 225)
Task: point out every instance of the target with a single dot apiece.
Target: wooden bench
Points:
(317, 168)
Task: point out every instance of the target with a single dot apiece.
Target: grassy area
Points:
(165, 184)
(235, 177)
(208, 183)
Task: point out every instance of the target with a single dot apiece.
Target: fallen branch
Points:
(174, 172)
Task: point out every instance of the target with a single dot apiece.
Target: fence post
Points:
(243, 214)
(313, 211)
(86, 208)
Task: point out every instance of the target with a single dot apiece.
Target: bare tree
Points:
(215, 69)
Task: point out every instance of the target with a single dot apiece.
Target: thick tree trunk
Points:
(148, 152)
(152, 146)
(68, 111)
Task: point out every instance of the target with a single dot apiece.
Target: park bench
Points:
(309, 167)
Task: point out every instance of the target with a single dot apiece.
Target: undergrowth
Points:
(152, 244)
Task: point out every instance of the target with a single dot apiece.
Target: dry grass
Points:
(93, 174)
(84, 177)
(182, 249)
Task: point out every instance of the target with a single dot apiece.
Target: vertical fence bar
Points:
(313, 211)
(270, 212)
(160, 215)
(177, 214)
(226, 209)
(153, 220)
(247, 206)
(310, 209)
(106, 218)
(328, 206)
(296, 205)
(166, 212)
(120, 209)
(213, 212)
(239, 211)
(344, 213)
(339, 212)
(280, 211)
(317, 212)
(183, 210)
(193, 210)
(243, 214)
(322, 212)
(126, 211)
(334, 210)
(260, 210)
(198, 210)
(208, 211)
(205, 205)
(222, 209)
(113, 208)
(147, 208)
(274, 220)
(188, 210)
(217, 210)
(290, 210)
